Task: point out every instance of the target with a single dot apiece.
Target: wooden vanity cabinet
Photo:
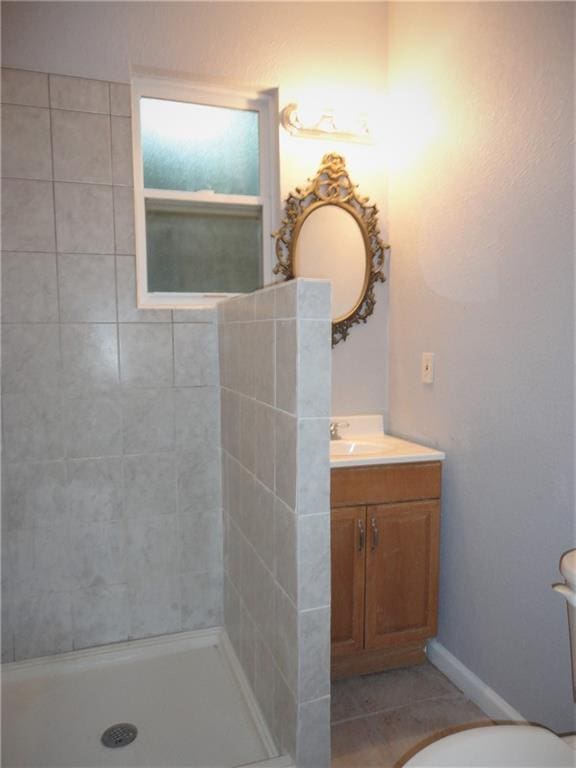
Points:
(385, 553)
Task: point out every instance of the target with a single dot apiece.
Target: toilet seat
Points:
(506, 746)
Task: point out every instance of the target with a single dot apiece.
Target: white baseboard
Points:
(470, 684)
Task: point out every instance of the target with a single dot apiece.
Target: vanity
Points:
(385, 525)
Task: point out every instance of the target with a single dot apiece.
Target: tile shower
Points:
(111, 476)
(122, 427)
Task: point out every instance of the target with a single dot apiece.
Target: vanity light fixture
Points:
(326, 123)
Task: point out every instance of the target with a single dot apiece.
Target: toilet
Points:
(510, 746)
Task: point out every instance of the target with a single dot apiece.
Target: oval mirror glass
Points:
(330, 232)
(330, 245)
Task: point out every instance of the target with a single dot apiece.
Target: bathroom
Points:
(478, 207)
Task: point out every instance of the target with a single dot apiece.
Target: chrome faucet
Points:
(334, 426)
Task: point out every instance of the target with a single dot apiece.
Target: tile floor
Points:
(377, 720)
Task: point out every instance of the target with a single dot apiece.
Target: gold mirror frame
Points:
(332, 186)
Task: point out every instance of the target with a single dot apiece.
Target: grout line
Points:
(72, 181)
(378, 712)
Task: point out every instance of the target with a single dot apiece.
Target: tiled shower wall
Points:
(111, 427)
(275, 376)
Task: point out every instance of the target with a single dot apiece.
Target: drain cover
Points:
(119, 735)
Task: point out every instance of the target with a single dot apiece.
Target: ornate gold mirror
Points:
(330, 232)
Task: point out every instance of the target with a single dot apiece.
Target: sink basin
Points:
(356, 447)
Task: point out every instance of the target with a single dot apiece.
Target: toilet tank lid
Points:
(568, 567)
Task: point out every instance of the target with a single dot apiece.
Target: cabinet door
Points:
(401, 572)
(348, 545)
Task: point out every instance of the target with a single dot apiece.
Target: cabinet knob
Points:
(375, 533)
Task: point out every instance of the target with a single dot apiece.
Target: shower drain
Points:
(119, 735)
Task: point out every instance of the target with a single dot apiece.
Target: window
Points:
(206, 189)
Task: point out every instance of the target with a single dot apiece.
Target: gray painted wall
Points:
(482, 274)
(111, 415)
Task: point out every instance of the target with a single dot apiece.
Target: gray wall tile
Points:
(148, 420)
(33, 494)
(149, 485)
(197, 418)
(79, 94)
(195, 315)
(22, 87)
(195, 354)
(260, 529)
(201, 595)
(93, 425)
(93, 560)
(124, 220)
(87, 286)
(265, 429)
(27, 215)
(285, 551)
(314, 367)
(287, 365)
(265, 362)
(286, 717)
(148, 545)
(314, 299)
(100, 615)
(314, 734)
(265, 304)
(29, 288)
(43, 625)
(120, 102)
(146, 358)
(89, 356)
(201, 540)
(84, 218)
(285, 457)
(314, 661)
(286, 299)
(155, 604)
(313, 496)
(7, 630)
(265, 681)
(26, 149)
(81, 147)
(199, 480)
(247, 455)
(286, 650)
(313, 561)
(32, 426)
(94, 490)
(30, 357)
(41, 560)
(122, 151)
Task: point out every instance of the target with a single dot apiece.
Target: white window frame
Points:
(263, 102)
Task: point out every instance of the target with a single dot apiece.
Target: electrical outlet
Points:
(427, 370)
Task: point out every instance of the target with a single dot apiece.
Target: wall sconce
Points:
(326, 124)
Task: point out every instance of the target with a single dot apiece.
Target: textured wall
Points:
(111, 465)
(275, 375)
(328, 53)
(482, 274)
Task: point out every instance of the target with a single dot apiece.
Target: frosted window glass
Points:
(192, 147)
(194, 248)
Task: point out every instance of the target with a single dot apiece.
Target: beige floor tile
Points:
(344, 701)
(399, 687)
(356, 744)
(404, 728)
